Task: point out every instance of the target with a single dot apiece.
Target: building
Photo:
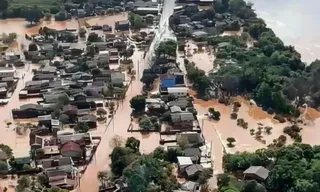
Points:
(182, 120)
(256, 172)
(90, 120)
(183, 163)
(30, 111)
(117, 78)
(123, 25)
(7, 72)
(146, 10)
(178, 91)
(193, 153)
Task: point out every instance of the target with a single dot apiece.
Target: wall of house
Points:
(183, 125)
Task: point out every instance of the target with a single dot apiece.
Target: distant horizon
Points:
(294, 22)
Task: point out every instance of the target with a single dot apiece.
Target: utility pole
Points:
(138, 68)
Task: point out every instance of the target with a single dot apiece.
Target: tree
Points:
(133, 144)
(32, 14)
(3, 5)
(231, 140)
(23, 183)
(47, 16)
(146, 124)
(173, 153)
(63, 100)
(214, 114)
(234, 116)
(167, 48)
(103, 177)
(253, 186)
(6, 149)
(32, 47)
(116, 141)
(268, 129)
(82, 32)
(3, 168)
(81, 127)
(10, 38)
(223, 180)
(93, 37)
(138, 103)
(101, 112)
(121, 157)
(42, 179)
(148, 79)
(127, 53)
(64, 118)
(159, 153)
(204, 176)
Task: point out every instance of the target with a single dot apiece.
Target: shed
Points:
(256, 172)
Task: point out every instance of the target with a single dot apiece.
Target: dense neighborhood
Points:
(153, 96)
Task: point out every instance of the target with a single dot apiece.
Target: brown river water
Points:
(213, 131)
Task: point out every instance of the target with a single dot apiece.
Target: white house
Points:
(178, 91)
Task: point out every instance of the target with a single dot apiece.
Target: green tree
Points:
(133, 144)
(93, 37)
(82, 32)
(3, 5)
(173, 153)
(3, 168)
(81, 127)
(23, 183)
(201, 85)
(121, 157)
(104, 177)
(6, 149)
(146, 124)
(167, 48)
(138, 103)
(159, 153)
(32, 14)
(253, 186)
(101, 112)
(231, 140)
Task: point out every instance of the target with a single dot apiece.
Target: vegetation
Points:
(10, 38)
(138, 103)
(293, 131)
(166, 48)
(231, 140)
(101, 112)
(7, 150)
(136, 20)
(292, 168)
(149, 123)
(214, 114)
(81, 127)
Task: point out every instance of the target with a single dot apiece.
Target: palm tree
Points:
(104, 177)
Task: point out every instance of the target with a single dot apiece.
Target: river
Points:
(294, 21)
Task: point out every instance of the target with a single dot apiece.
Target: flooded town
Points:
(173, 96)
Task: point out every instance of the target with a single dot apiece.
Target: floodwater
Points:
(294, 21)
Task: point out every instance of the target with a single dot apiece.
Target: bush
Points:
(26, 167)
(280, 118)
(270, 111)
(234, 116)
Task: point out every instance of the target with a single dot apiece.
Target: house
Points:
(178, 91)
(183, 103)
(40, 77)
(45, 120)
(81, 13)
(167, 80)
(80, 138)
(106, 28)
(77, 48)
(117, 78)
(72, 149)
(189, 186)
(30, 111)
(199, 34)
(191, 138)
(193, 153)
(59, 163)
(192, 171)
(154, 101)
(183, 163)
(182, 121)
(256, 172)
(7, 72)
(146, 10)
(53, 97)
(123, 25)
(90, 119)
(156, 108)
(70, 110)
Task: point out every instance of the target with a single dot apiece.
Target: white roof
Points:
(184, 161)
(103, 52)
(147, 9)
(177, 90)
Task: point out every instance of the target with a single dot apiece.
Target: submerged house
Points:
(30, 111)
(123, 25)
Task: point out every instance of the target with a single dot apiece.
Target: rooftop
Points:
(184, 161)
(258, 170)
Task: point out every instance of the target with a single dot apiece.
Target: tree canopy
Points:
(138, 102)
